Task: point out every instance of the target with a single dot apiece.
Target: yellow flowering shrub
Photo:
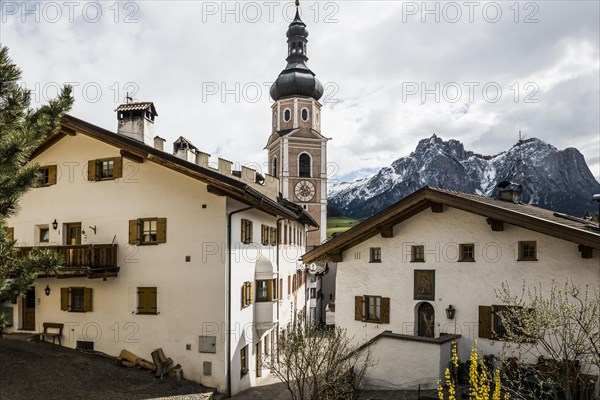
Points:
(479, 382)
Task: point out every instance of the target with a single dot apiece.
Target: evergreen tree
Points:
(22, 129)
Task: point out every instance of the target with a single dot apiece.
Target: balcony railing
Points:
(91, 261)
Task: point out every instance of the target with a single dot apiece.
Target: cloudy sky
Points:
(394, 72)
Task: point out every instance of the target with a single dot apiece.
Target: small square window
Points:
(467, 253)
(246, 234)
(375, 254)
(77, 299)
(107, 169)
(44, 235)
(528, 251)
(417, 254)
(149, 229)
(373, 308)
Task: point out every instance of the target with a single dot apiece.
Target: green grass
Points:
(339, 224)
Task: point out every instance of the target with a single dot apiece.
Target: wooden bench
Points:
(57, 331)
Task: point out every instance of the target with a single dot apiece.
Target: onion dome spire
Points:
(297, 79)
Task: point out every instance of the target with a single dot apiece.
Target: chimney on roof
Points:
(184, 149)
(509, 191)
(159, 143)
(136, 121)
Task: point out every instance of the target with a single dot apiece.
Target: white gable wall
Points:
(465, 285)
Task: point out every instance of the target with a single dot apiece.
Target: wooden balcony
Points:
(92, 261)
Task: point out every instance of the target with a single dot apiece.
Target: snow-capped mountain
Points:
(558, 180)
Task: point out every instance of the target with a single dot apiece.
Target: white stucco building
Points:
(161, 250)
(400, 270)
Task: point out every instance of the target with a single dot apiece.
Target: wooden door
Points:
(73, 234)
(29, 310)
(426, 322)
(258, 359)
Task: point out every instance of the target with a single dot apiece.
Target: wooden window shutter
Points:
(358, 308)
(64, 299)
(92, 171)
(485, 322)
(385, 310)
(143, 306)
(133, 231)
(152, 300)
(10, 234)
(161, 230)
(51, 174)
(117, 167)
(251, 239)
(87, 299)
(275, 291)
(251, 292)
(243, 295)
(243, 236)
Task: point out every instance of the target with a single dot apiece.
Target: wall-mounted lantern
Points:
(450, 311)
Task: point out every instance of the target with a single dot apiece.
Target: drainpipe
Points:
(229, 293)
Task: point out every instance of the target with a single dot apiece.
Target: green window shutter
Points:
(117, 167)
(358, 308)
(161, 230)
(51, 175)
(385, 310)
(64, 299)
(87, 299)
(133, 231)
(485, 322)
(92, 175)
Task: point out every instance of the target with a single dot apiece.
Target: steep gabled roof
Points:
(218, 183)
(523, 215)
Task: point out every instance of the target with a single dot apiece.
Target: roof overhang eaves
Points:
(229, 186)
(422, 199)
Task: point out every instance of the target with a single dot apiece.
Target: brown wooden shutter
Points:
(485, 322)
(250, 233)
(251, 292)
(161, 230)
(87, 299)
(117, 167)
(275, 291)
(358, 308)
(385, 310)
(92, 174)
(10, 234)
(243, 237)
(153, 300)
(51, 175)
(64, 299)
(243, 295)
(133, 231)
(143, 306)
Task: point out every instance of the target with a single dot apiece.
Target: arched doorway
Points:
(425, 320)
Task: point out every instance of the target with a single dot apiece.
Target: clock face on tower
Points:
(305, 190)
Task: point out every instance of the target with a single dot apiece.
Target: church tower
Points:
(297, 150)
